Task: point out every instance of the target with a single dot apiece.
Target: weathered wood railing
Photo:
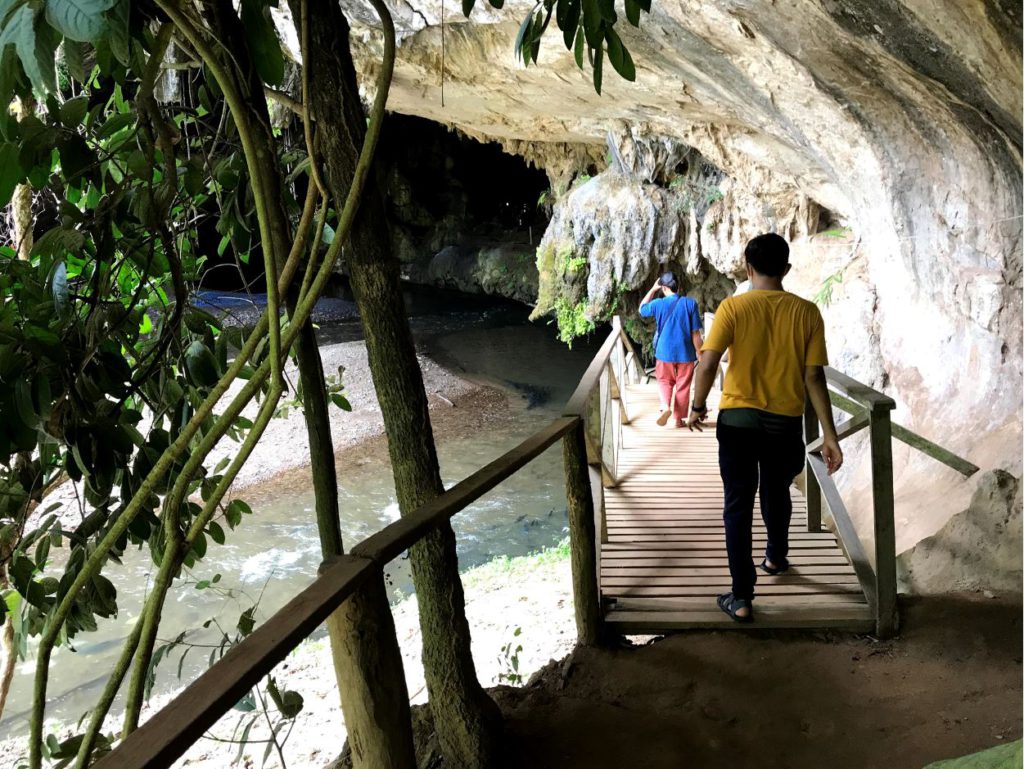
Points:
(872, 410)
(590, 432)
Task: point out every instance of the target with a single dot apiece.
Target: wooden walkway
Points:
(663, 557)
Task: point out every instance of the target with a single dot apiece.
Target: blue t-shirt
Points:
(677, 318)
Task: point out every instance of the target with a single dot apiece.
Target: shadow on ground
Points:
(948, 686)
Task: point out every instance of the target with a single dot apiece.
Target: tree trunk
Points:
(21, 200)
(466, 720)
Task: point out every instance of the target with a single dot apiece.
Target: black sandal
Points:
(730, 604)
(773, 570)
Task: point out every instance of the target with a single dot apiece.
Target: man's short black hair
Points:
(668, 280)
(768, 254)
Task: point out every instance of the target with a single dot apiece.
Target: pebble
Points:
(988, 594)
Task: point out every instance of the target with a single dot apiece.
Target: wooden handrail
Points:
(912, 439)
(845, 528)
(397, 537)
(591, 377)
(860, 392)
(168, 734)
(843, 431)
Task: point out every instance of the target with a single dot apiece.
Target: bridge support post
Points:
(812, 491)
(582, 537)
(886, 610)
(368, 664)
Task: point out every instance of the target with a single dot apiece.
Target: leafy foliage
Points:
(588, 30)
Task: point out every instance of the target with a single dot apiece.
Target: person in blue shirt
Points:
(677, 344)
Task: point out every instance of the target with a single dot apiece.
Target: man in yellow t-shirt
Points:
(776, 344)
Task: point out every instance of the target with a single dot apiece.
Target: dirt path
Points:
(950, 685)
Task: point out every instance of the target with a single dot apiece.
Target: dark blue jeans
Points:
(745, 457)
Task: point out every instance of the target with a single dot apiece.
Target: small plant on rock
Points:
(509, 660)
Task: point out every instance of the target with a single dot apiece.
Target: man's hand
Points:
(831, 454)
(695, 420)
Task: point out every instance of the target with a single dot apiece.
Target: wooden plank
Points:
(162, 739)
(852, 619)
(812, 491)
(851, 426)
(886, 611)
(395, 538)
(711, 543)
(836, 560)
(859, 391)
(762, 590)
(718, 570)
(934, 450)
(722, 579)
(612, 552)
(844, 526)
(689, 603)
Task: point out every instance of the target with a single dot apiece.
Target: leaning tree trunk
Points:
(466, 720)
(21, 200)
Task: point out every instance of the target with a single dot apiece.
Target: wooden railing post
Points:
(812, 491)
(368, 665)
(886, 610)
(582, 538)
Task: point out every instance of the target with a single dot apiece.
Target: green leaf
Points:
(114, 124)
(81, 20)
(72, 112)
(517, 46)
(247, 621)
(74, 58)
(11, 174)
(633, 12)
(578, 50)
(216, 532)
(467, 7)
(341, 402)
(598, 59)
(570, 26)
(264, 45)
(288, 702)
(119, 40)
(619, 56)
(36, 46)
(592, 22)
(499, 4)
(607, 10)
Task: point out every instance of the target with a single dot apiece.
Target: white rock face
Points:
(901, 117)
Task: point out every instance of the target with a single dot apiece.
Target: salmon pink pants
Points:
(675, 376)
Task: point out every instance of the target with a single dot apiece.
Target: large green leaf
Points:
(619, 56)
(598, 59)
(592, 22)
(36, 51)
(81, 20)
(263, 42)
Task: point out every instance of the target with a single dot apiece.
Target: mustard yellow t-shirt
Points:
(772, 336)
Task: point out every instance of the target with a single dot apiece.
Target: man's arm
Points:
(817, 390)
(702, 383)
(698, 343)
(657, 288)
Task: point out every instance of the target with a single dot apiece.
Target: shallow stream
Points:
(275, 553)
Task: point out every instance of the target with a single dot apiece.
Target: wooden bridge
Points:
(647, 543)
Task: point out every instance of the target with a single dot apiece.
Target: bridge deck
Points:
(664, 561)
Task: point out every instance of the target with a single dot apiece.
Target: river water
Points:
(275, 552)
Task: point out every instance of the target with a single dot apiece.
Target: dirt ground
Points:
(948, 686)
